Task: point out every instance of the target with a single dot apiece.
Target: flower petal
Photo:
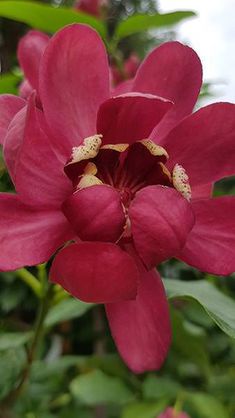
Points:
(141, 328)
(9, 106)
(96, 272)
(38, 174)
(74, 81)
(130, 117)
(203, 144)
(30, 50)
(28, 237)
(210, 244)
(172, 71)
(96, 213)
(160, 221)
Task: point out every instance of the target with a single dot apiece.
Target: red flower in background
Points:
(92, 7)
(171, 413)
(127, 179)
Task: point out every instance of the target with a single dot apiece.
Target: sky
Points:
(212, 35)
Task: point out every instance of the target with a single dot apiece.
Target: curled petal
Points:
(130, 117)
(141, 328)
(96, 213)
(210, 245)
(96, 272)
(161, 220)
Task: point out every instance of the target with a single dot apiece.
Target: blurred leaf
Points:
(143, 409)
(66, 310)
(95, 388)
(12, 363)
(194, 349)
(207, 406)
(140, 23)
(9, 82)
(218, 306)
(13, 339)
(160, 387)
(45, 17)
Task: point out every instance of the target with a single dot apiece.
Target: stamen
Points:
(116, 147)
(89, 149)
(88, 180)
(154, 149)
(181, 181)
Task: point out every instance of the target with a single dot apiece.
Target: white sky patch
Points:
(212, 35)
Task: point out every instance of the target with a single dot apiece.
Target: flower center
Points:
(127, 168)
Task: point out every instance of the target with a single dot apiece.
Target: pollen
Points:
(116, 147)
(181, 181)
(89, 149)
(88, 180)
(154, 149)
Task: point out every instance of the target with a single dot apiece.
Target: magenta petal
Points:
(38, 174)
(172, 413)
(161, 220)
(96, 213)
(9, 106)
(172, 71)
(13, 141)
(141, 328)
(30, 50)
(74, 81)
(203, 144)
(123, 87)
(210, 245)
(25, 89)
(96, 272)
(27, 236)
(130, 117)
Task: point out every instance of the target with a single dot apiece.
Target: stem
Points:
(37, 337)
(30, 280)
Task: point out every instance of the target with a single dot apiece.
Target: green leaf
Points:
(96, 387)
(143, 409)
(207, 406)
(160, 387)
(143, 22)
(13, 339)
(66, 310)
(45, 17)
(9, 82)
(12, 362)
(218, 306)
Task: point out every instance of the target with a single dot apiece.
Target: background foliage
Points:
(71, 368)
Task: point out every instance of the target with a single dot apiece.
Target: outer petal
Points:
(211, 243)
(30, 51)
(9, 106)
(141, 328)
(13, 140)
(28, 237)
(74, 81)
(25, 89)
(96, 213)
(37, 173)
(203, 144)
(130, 117)
(96, 272)
(160, 220)
(172, 71)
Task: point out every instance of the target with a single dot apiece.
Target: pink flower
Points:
(126, 179)
(92, 7)
(171, 413)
